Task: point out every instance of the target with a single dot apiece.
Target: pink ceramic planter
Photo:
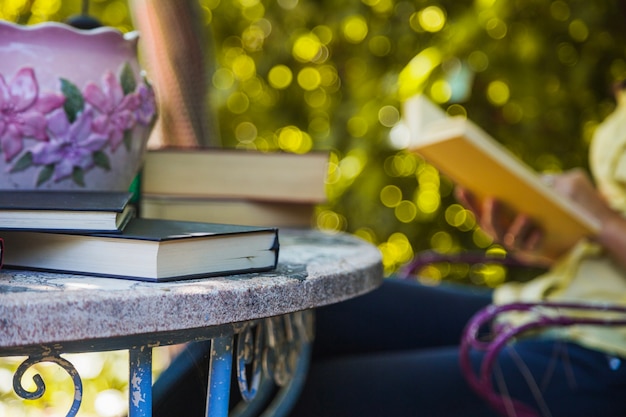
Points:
(75, 110)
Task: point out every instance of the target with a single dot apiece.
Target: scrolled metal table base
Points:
(272, 352)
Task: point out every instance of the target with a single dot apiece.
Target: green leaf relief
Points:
(45, 174)
(74, 101)
(127, 79)
(23, 163)
(101, 159)
(78, 175)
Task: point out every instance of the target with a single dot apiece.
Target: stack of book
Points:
(97, 233)
(233, 186)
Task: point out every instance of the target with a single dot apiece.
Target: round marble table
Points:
(45, 314)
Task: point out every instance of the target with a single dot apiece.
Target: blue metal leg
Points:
(220, 369)
(140, 384)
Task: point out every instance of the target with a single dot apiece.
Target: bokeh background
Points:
(306, 75)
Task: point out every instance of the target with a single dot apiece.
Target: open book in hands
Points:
(473, 159)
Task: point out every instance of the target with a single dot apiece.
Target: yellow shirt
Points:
(585, 273)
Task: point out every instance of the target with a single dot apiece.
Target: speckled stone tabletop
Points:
(315, 268)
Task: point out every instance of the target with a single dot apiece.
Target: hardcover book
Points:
(236, 174)
(79, 211)
(238, 211)
(148, 249)
(473, 159)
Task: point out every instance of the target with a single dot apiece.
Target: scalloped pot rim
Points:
(62, 28)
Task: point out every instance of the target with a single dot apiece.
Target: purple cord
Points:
(482, 383)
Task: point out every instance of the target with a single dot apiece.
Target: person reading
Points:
(396, 351)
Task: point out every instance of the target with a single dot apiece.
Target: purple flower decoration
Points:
(23, 111)
(117, 110)
(147, 104)
(70, 146)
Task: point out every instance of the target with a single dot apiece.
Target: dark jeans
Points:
(394, 352)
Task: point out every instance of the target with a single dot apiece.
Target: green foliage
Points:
(298, 75)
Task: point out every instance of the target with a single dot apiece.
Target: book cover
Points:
(473, 159)
(148, 249)
(81, 211)
(233, 173)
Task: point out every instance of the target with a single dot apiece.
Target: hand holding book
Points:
(471, 158)
(518, 232)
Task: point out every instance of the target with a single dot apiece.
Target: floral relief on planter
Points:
(79, 126)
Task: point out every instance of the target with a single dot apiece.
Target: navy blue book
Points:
(148, 250)
(71, 211)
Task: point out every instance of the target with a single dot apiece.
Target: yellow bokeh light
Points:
(512, 112)
(244, 67)
(253, 38)
(41, 10)
(306, 48)
(316, 98)
(380, 45)
(323, 33)
(331, 221)
(428, 177)
(456, 110)
(567, 54)
(441, 241)
(428, 201)
(432, 19)
(402, 249)
(406, 211)
(223, 79)
(334, 173)
(309, 78)
(246, 132)
(238, 102)
(292, 139)
(253, 87)
(319, 126)
(388, 116)
(484, 4)
(354, 28)
(440, 91)
(400, 165)
(254, 12)
(280, 77)
(559, 10)
(384, 6)
(578, 30)
(498, 93)
(329, 77)
(115, 12)
(481, 239)
(390, 196)
(452, 215)
(496, 28)
(288, 4)
(366, 233)
(352, 165)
